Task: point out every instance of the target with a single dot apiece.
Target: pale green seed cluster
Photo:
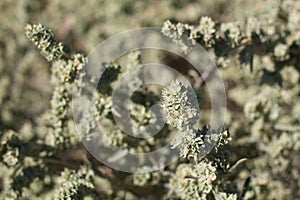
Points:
(45, 42)
(10, 149)
(206, 147)
(66, 71)
(75, 184)
(180, 105)
(197, 182)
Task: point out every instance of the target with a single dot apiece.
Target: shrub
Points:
(253, 156)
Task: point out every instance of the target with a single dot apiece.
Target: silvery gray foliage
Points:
(182, 112)
(232, 33)
(65, 69)
(254, 37)
(198, 181)
(75, 184)
(206, 31)
(180, 105)
(193, 182)
(10, 149)
(262, 111)
(205, 147)
(43, 38)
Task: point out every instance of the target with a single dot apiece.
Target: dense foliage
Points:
(255, 155)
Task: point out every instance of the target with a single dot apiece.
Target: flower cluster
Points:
(75, 184)
(181, 106)
(45, 42)
(206, 147)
